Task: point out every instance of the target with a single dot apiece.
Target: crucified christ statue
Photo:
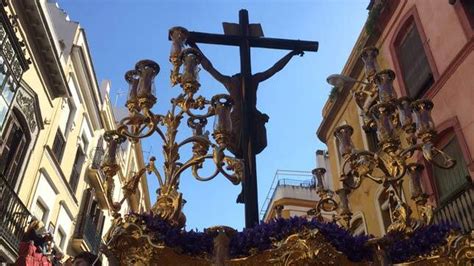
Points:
(233, 84)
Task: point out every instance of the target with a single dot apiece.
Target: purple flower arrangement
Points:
(399, 246)
(422, 241)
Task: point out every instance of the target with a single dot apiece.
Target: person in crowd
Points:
(86, 259)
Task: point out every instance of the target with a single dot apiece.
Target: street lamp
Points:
(338, 80)
(141, 122)
(391, 117)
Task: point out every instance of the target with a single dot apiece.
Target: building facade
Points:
(292, 193)
(429, 45)
(52, 117)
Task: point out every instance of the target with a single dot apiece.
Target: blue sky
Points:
(121, 32)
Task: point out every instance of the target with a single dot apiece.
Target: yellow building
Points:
(52, 117)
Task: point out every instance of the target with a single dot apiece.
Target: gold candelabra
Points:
(142, 122)
(404, 127)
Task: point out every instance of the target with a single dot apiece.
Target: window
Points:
(13, 150)
(372, 140)
(450, 181)
(68, 112)
(468, 6)
(414, 66)
(11, 67)
(384, 208)
(59, 145)
(41, 211)
(60, 238)
(76, 169)
(90, 214)
(98, 154)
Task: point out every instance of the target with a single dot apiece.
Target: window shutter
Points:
(18, 155)
(59, 145)
(13, 152)
(86, 202)
(76, 170)
(416, 71)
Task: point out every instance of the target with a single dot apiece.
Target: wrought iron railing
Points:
(97, 159)
(460, 210)
(14, 216)
(309, 183)
(91, 235)
(87, 230)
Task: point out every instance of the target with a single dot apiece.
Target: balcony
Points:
(86, 236)
(97, 177)
(291, 188)
(13, 221)
(458, 210)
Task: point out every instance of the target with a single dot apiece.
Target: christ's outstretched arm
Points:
(259, 77)
(207, 65)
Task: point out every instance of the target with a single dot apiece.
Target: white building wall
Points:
(64, 223)
(46, 194)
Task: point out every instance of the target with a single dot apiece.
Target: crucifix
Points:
(251, 137)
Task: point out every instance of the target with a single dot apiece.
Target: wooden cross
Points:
(247, 35)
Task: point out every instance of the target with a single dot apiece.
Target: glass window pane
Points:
(8, 92)
(3, 111)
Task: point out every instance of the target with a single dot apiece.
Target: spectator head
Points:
(86, 259)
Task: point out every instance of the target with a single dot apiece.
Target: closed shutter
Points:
(86, 204)
(58, 146)
(76, 170)
(416, 71)
(13, 152)
(372, 140)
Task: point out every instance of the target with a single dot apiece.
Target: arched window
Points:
(412, 58)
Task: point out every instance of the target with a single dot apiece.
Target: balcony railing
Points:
(458, 210)
(14, 216)
(97, 159)
(87, 231)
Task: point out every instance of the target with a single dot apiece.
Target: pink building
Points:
(429, 45)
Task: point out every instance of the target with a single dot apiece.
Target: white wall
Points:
(46, 194)
(64, 222)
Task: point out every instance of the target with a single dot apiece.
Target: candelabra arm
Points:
(196, 175)
(235, 165)
(131, 185)
(160, 133)
(152, 169)
(430, 151)
(193, 161)
(408, 152)
(200, 139)
(376, 179)
(390, 169)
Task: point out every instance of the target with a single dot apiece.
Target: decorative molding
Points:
(27, 106)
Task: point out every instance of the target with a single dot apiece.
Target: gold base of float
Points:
(130, 243)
